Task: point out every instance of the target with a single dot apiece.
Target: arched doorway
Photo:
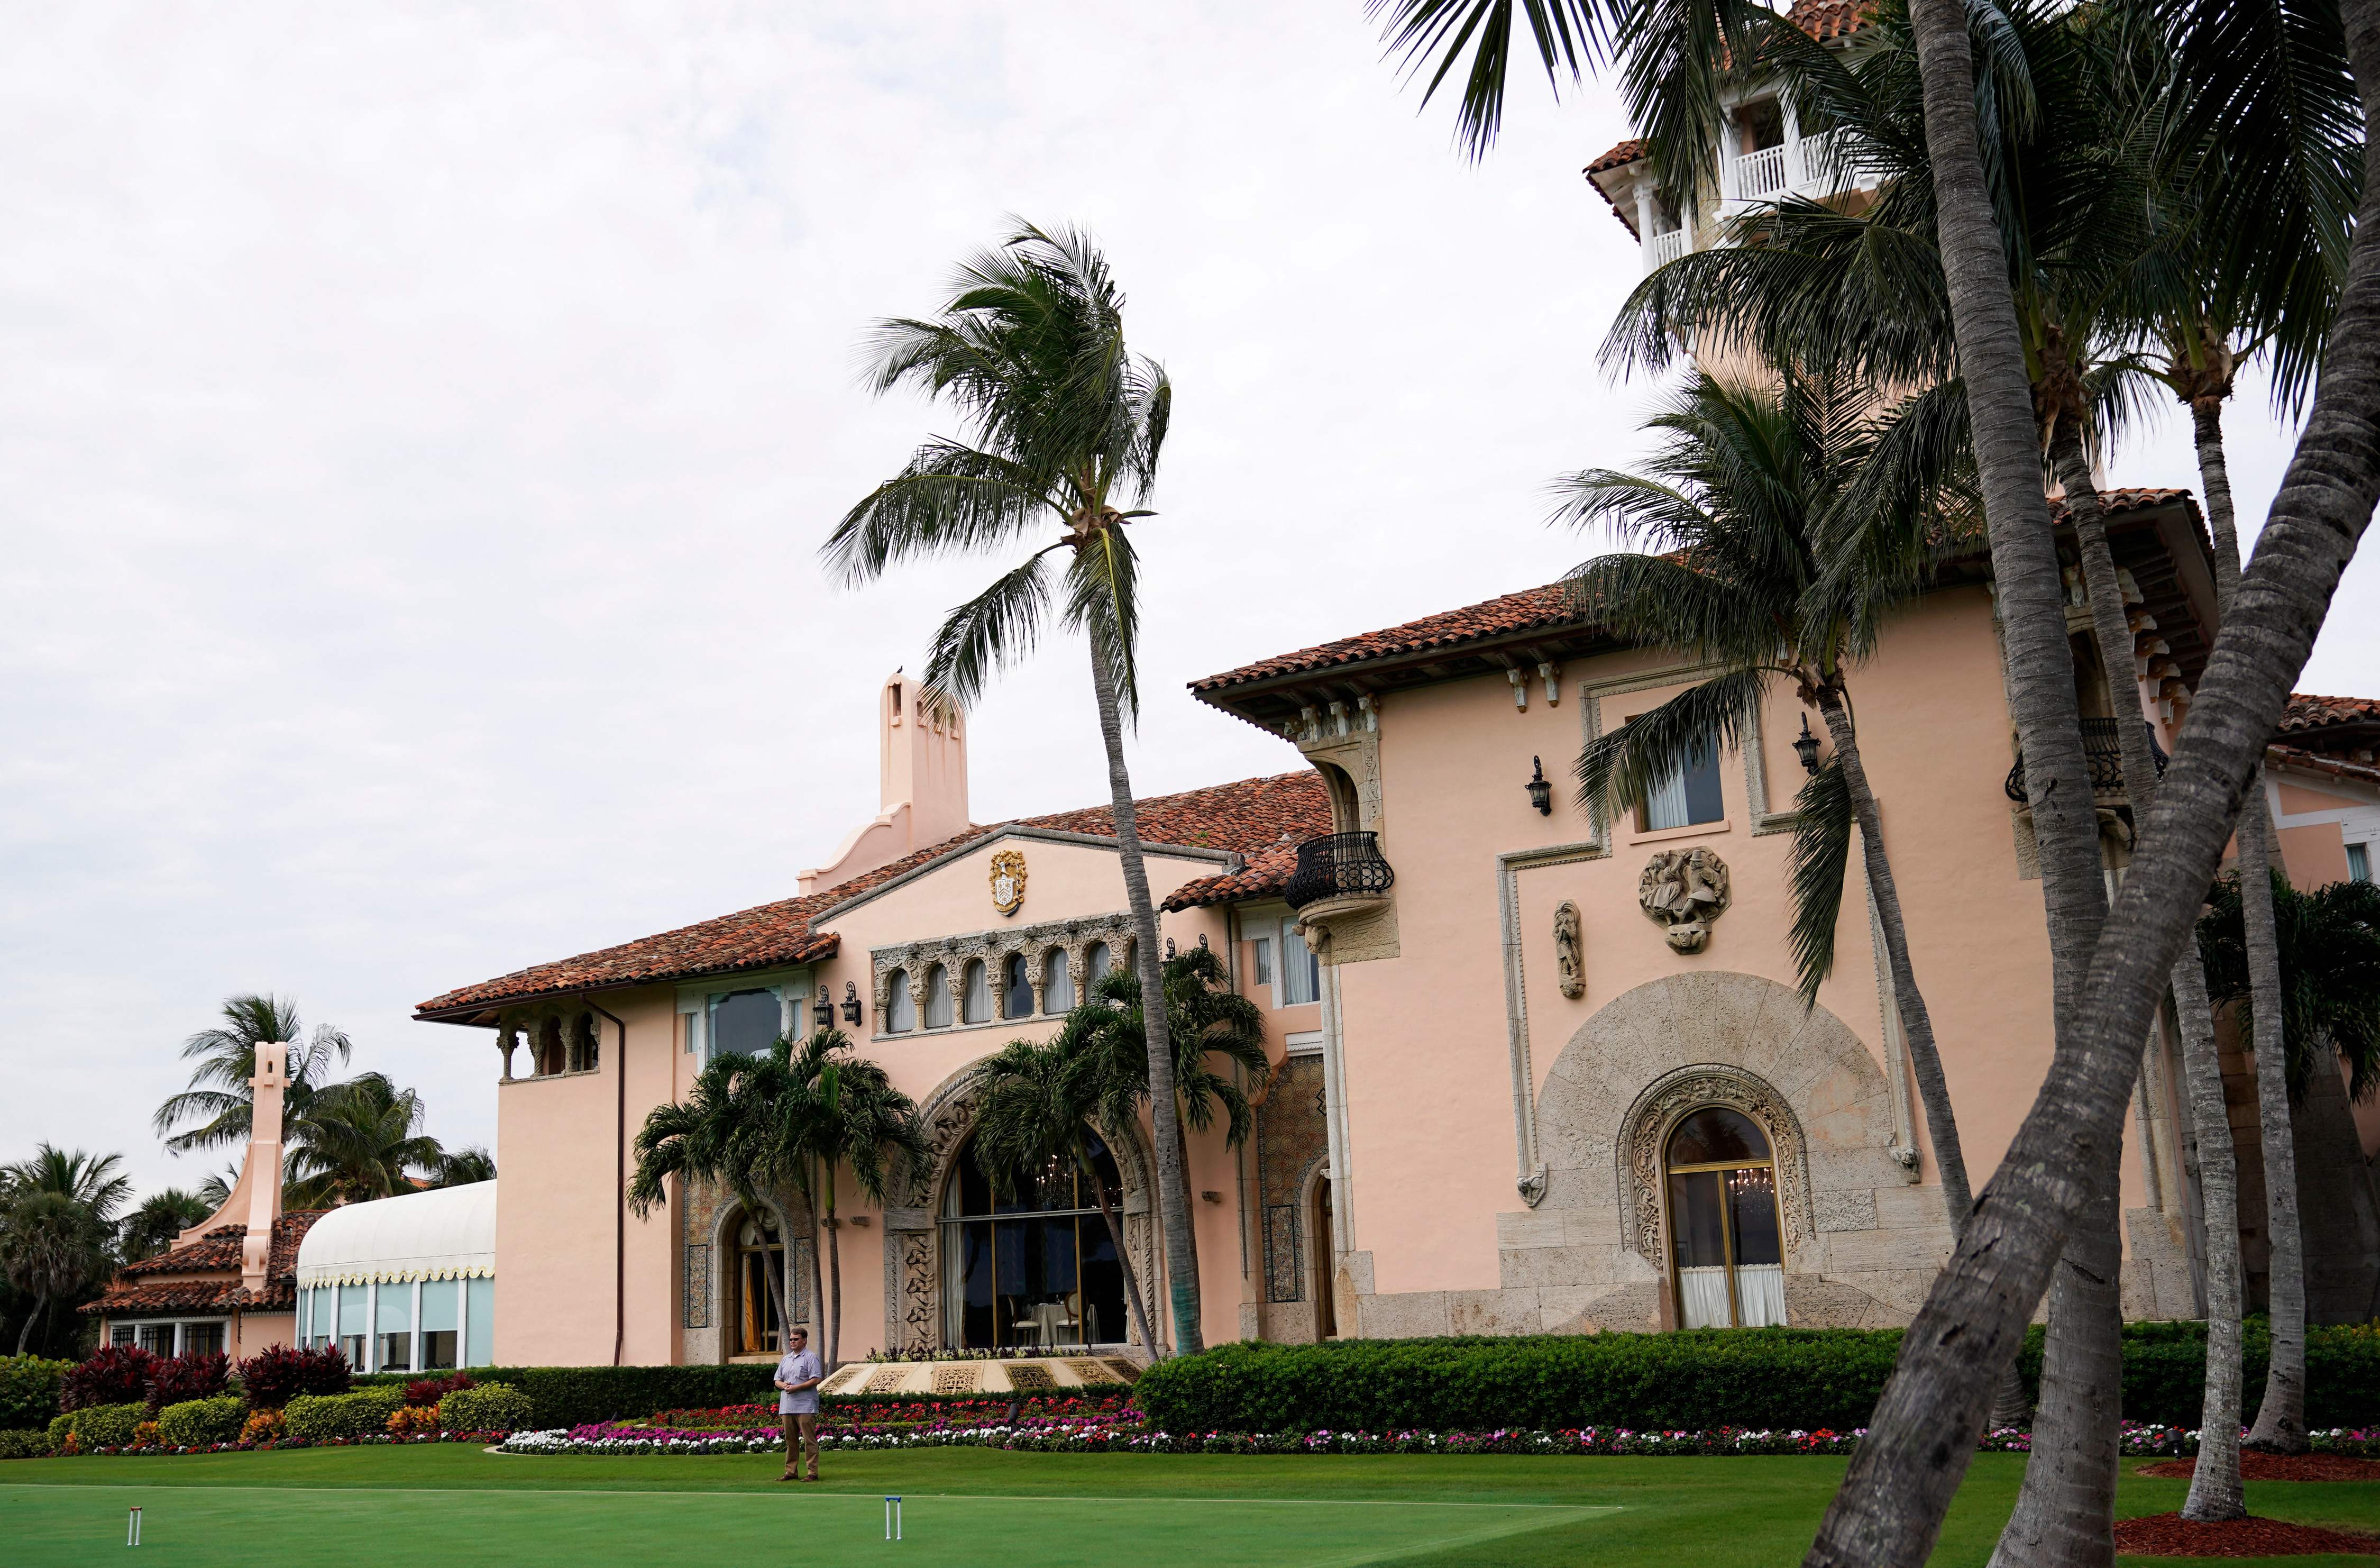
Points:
(752, 1325)
(1726, 1240)
(1325, 1250)
(1034, 1269)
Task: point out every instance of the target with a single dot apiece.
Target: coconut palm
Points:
(219, 1096)
(359, 1140)
(216, 1190)
(1789, 533)
(2329, 943)
(463, 1168)
(95, 1181)
(53, 1245)
(1065, 424)
(153, 1226)
(841, 1111)
(1035, 1105)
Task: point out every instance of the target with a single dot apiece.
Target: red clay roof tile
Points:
(216, 1253)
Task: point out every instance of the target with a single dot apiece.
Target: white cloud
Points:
(421, 422)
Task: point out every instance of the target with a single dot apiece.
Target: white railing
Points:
(1816, 164)
(1661, 249)
(1757, 175)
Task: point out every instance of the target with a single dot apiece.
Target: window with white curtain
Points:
(938, 998)
(1097, 960)
(1057, 983)
(2359, 862)
(901, 1011)
(1262, 955)
(975, 1005)
(1301, 972)
(1688, 795)
(1724, 1233)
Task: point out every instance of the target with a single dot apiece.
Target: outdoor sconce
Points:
(1806, 748)
(850, 1001)
(823, 1009)
(1541, 793)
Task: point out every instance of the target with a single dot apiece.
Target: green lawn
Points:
(438, 1505)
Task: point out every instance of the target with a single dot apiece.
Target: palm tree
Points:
(359, 1140)
(152, 1227)
(1794, 532)
(52, 1245)
(95, 1181)
(730, 1129)
(1066, 423)
(1034, 1107)
(841, 1109)
(219, 1095)
(216, 1190)
(463, 1168)
(2329, 943)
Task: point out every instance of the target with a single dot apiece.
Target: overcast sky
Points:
(419, 423)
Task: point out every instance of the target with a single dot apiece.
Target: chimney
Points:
(921, 786)
(255, 1200)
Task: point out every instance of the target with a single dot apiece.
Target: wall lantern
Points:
(823, 1009)
(1806, 747)
(1541, 793)
(850, 1001)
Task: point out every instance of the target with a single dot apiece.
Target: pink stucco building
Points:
(1512, 1091)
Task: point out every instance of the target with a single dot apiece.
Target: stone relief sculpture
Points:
(1685, 890)
(1568, 955)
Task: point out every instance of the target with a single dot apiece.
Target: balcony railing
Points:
(1757, 175)
(1662, 248)
(2103, 753)
(1339, 866)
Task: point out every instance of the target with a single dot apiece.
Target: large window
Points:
(938, 998)
(1036, 1269)
(1301, 972)
(441, 1323)
(759, 1251)
(748, 1021)
(975, 1008)
(1690, 795)
(1058, 983)
(901, 1008)
(1723, 1226)
(1097, 960)
(394, 1327)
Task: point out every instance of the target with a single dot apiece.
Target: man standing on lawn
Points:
(799, 1375)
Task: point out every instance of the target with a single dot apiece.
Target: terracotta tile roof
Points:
(1627, 151)
(216, 1253)
(1529, 609)
(2307, 711)
(1242, 817)
(2315, 762)
(1826, 21)
(1263, 877)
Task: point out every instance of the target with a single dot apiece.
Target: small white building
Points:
(404, 1284)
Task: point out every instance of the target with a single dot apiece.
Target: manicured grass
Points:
(438, 1505)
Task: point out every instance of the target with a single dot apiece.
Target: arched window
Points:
(938, 998)
(1035, 1268)
(1016, 988)
(1095, 962)
(759, 1249)
(1058, 983)
(1724, 1233)
(900, 1010)
(975, 1005)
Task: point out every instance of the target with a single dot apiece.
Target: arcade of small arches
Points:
(560, 1041)
(993, 977)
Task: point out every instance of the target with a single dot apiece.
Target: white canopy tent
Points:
(404, 1284)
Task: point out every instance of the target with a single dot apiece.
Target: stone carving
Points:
(1683, 890)
(1128, 1371)
(961, 1379)
(885, 1379)
(698, 1285)
(1023, 1376)
(1008, 881)
(1568, 955)
(1071, 937)
(1658, 1110)
(1087, 1371)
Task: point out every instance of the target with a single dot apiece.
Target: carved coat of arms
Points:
(1683, 890)
(1008, 881)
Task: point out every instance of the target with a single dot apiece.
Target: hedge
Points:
(28, 1391)
(580, 1397)
(18, 1443)
(195, 1423)
(1702, 1380)
(492, 1407)
(98, 1426)
(318, 1417)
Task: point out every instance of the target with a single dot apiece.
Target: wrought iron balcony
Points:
(1339, 866)
(2103, 752)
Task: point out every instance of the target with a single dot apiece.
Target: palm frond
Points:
(1567, 35)
(950, 499)
(995, 628)
(1815, 874)
(1620, 768)
(1103, 603)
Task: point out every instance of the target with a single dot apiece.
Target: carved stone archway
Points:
(913, 1263)
(1668, 1100)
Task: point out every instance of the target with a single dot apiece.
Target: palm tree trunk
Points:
(1132, 1295)
(41, 1304)
(817, 1279)
(1181, 1267)
(1916, 1023)
(1888, 1511)
(833, 1278)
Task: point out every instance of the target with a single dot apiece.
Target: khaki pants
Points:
(801, 1435)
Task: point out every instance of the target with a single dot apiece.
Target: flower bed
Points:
(979, 1412)
(370, 1439)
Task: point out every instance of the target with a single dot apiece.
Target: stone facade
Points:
(1293, 1144)
(708, 1215)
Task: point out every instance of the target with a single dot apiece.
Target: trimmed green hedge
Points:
(572, 1396)
(195, 1423)
(18, 1443)
(28, 1391)
(492, 1407)
(1697, 1381)
(318, 1417)
(99, 1425)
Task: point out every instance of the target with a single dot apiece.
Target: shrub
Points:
(98, 1426)
(18, 1443)
(425, 1392)
(278, 1374)
(2165, 1372)
(407, 1419)
(115, 1374)
(185, 1377)
(195, 1423)
(28, 1391)
(264, 1426)
(318, 1417)
(144, 1434)
(492, 1407)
